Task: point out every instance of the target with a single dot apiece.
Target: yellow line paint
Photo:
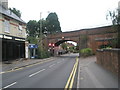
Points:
(26, 66)
(71, 84)
(72, 76)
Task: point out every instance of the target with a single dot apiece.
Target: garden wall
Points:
(109, 58)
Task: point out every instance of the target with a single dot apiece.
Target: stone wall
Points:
(108, 58)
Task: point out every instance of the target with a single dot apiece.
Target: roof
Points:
(8, 13)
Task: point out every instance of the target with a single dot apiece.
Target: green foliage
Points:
(86, 52)
(32, 27)
(44, 27)
(15, 11)
(49, 26)
(42, 53)
(64, 46)
(72, 49)
(115, 18)
(32, 40)
(53, 24)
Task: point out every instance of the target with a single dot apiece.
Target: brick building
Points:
(12, 33)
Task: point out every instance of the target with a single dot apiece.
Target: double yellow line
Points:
(70, 81)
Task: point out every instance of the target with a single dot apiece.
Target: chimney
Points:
(4, 3)
(119, 8)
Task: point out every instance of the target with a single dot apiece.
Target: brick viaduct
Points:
(85, 38)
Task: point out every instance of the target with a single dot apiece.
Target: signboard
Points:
(33, 46)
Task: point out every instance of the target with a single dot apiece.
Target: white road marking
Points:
(2, 72)
(9, 85)
(58, 62)
(52, 65)
(36, 73)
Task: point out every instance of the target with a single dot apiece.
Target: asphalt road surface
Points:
(53, 73)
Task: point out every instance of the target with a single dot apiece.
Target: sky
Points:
(73, 14)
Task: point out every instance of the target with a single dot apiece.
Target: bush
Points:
(43, 54)
(86, 52)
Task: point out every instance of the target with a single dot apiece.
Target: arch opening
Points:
(63, 41)
(66, 46)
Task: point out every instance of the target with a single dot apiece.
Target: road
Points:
(54, 73)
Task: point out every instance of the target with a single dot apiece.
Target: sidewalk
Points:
(92, 75)
(19, 63)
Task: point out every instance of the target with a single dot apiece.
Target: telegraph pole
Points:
(41, 46)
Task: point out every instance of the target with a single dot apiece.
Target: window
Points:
(7, 26)
(20, 27)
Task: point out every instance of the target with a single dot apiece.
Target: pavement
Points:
(93, 75)
(13, 64)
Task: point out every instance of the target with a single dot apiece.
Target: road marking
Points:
(47, 60)
(70, 77)
(58, 62)
(52, 65)
(71, 84)
(2, 72)
(70, 81)
(36, 73)
(9, 85)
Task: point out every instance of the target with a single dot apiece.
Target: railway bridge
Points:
(85, 38)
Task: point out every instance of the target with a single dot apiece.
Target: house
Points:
(12, 33)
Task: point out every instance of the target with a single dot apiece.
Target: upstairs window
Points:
(20, 27)
(7, 26)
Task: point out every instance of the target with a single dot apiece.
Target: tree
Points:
(15, 11)
(115, 18)
(53, 24)
(44, 26)
(64, 46)
(32, 28)
(50, 25)
(33, 31)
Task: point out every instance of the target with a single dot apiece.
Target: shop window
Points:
(7, 26)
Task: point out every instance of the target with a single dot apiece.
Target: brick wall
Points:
(91, 34)
(108, 58)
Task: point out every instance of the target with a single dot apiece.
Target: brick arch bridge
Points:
(85, 38)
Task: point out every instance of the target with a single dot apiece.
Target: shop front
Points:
(12, 48)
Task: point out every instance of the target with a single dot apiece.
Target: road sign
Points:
(33, 46)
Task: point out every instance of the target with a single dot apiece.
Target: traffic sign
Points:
(33, 46)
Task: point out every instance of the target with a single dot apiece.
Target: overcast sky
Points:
(72, 14)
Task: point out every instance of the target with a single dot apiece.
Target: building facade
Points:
(12, 33)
